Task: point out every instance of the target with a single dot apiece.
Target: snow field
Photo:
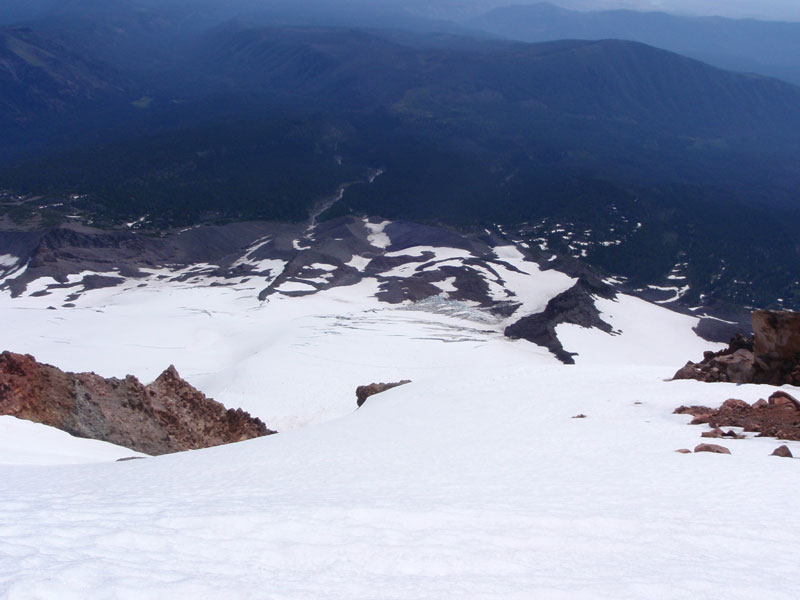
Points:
(450, 487)
(473, 481)
(26, 443)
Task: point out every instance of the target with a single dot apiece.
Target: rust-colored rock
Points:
(718, 433)
(772, 356)
(783, 452)
(169, 415)
(711, 448)
(776, 336)
(683, 451)
(734, 405)
(365, 391)
(779, 417)
(781, 398)
(714, 433)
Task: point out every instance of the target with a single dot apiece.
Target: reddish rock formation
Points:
(776, 336)
(718, 433)
(777, 417)
(772, 356)
(782, 451)
(735, 364)
(365, 391)
(169, 415)
(711, 448)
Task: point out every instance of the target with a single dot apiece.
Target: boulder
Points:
(714, 433)
(739, 367)
(781, 398)
(782, 451)
(734, 405)
(772, 356)
(712, 448)
(365, 391)
(777, 346)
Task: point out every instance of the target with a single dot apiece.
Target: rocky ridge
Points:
(771, 356)
(168, 415)
(485, 274)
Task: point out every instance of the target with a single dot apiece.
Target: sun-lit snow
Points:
(26, 443)
(7, 260)
(377, 237)
(460, 485)
(358, 262)
(473, 481)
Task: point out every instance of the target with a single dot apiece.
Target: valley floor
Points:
(473, 481)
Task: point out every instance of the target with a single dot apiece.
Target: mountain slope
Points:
(473, 480)
(741, 45)
(39, 75)
(269, 123)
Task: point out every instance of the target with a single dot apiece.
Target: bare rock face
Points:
(712, 448)
(735, 364)
(575, 306)
(169, 415)
(777, 346)
(772, 356)
(778, 417)
(365, 391)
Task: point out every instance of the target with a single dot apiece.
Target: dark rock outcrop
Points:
(771, 356)
(779, 416)
(169, 415)
(365, 391)
(575, 306)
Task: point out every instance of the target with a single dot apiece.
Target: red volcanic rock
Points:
(772, 356)
(169, 415)
(781, 398)
(783, 452)
(714, 433)
(776, 336)
(779, 417)
(712, 448)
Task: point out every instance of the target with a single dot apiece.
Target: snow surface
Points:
(473, 481)
(454, 486)
(8, 260)
(27, 443)
(376, 236)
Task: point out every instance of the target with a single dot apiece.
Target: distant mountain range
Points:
(632, 158)
(748, 45)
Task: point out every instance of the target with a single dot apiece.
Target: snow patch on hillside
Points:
(7, 260)
(377, 237)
